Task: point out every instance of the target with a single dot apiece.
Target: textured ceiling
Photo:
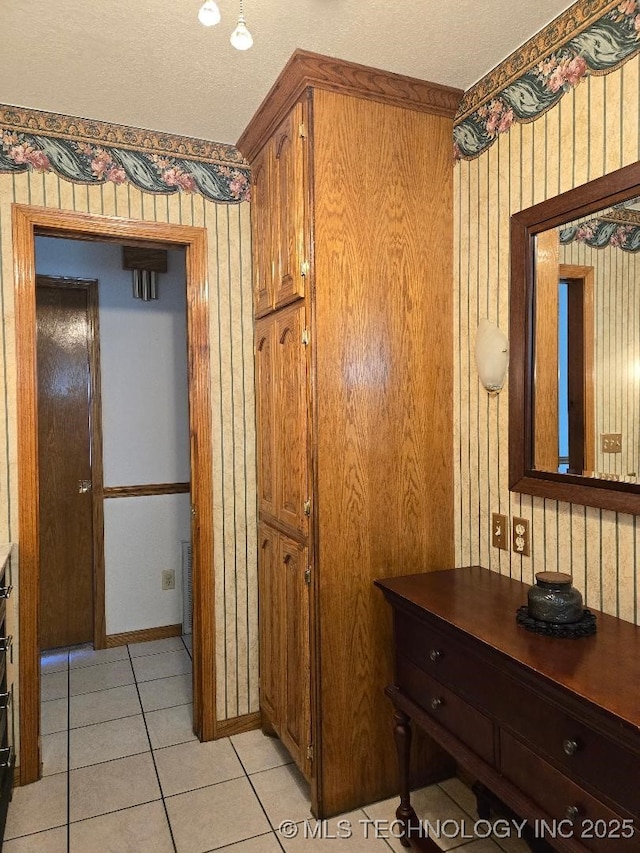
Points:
(151, 64)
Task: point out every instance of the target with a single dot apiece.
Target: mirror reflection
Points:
(587, 346)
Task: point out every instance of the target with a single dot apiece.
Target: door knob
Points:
(84, 486)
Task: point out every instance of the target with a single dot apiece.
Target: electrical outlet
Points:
(611, 442)
(499, 531)
(521, 539)
(168, 579)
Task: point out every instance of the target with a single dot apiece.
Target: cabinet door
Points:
(295, 725)
(288, 195)
(291, 418)
(271, 608)
(265, 379)
(262, 223)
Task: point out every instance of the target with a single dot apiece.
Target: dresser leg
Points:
(404, 813)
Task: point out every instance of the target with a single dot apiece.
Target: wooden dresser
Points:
(550, 726)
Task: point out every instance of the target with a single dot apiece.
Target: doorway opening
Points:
(28, 222)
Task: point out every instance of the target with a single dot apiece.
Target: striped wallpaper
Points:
(232, 399)
(592, 130)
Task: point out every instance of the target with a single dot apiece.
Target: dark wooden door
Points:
(64, 441)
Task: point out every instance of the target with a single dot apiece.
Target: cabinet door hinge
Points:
(307, 507)
(304, 268)
(302, 130)
(310, 752)
(306, 337)
(307, 576)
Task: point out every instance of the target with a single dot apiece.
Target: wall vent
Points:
(187, 590)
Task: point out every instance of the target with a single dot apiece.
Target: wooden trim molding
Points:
(26, 220)
(587, 276)
(146, 490)
(144, 635)
(238, 725)
(306, 69)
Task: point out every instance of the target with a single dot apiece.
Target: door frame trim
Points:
(27, 221)
(90, 286)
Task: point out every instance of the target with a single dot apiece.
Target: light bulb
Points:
(209, 14)
(241, 38)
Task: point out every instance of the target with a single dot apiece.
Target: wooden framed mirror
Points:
(574, 386)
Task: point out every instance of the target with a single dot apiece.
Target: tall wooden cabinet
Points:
(352, 222)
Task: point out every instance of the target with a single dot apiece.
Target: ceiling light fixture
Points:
(209, 16)
(241, 38)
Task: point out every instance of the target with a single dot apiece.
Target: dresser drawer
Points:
(447, 708)
(593, 824)
(582, 753)
(450, 662)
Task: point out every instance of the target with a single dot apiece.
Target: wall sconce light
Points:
(492, 355)
(145, 265)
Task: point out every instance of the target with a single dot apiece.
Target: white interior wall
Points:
(143, 355)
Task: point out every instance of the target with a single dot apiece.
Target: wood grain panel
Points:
(146, 490)
(289, 219)
(295, 725)
(265, 413)
(306, 69)
(546, 352)
(262, 229)
(271, 593)
(290, 423)
(383, 373)
(64, 447)
(143, 635)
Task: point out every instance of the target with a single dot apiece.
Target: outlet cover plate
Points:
(520, 537)
(168, 579)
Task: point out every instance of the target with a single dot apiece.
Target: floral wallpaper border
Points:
(600, 233)
(92, 152)
(592, 37)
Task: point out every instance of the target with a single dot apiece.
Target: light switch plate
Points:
(499, 531)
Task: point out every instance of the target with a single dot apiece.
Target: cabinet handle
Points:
(6, 756)
(572, 813)
(570, 747)
(436, 703)
(5, 591)
(435, 654)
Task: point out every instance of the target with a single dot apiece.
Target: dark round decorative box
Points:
(554, 600)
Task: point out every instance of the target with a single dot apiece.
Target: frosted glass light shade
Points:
(209, 14)
(241, 38)
(492, 355)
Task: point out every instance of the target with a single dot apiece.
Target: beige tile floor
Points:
(123, 773)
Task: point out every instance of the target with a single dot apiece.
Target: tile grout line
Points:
(233, 746)
(153, 758)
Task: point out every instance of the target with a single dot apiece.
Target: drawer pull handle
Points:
(435, 654)
(436, 703)
(6, 757)
(570, 747)
(572, 813)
